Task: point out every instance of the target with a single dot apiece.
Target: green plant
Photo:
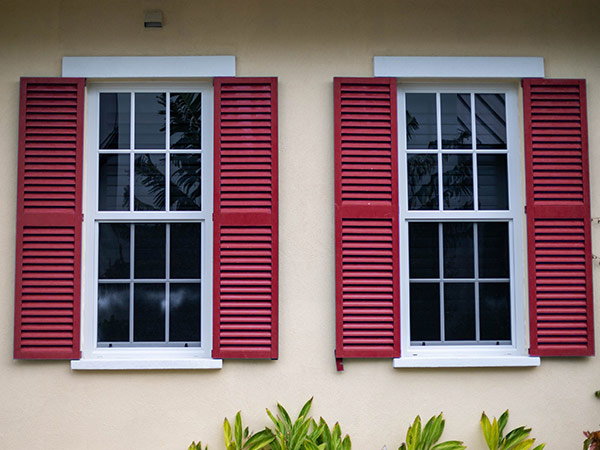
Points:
(517, 439)
(241, 439)
(425, 439)
(331, 439)
(198, 446)
(297, 435)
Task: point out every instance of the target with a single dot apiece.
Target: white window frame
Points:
(469, 74)
(137, 70)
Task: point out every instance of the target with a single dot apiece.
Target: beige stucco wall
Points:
(305, 44)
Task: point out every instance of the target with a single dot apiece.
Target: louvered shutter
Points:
(245, 282)
(366, 218)
(558, 218)
(48, 236)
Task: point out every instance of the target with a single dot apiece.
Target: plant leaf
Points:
(502, 421)
(306, 408)
(449, 445)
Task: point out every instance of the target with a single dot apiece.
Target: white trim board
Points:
(148, 66)
(458, 67)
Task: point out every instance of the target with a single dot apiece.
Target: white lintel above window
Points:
(148, 66)
(458, 67)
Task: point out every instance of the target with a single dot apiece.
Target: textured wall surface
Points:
(304, 43)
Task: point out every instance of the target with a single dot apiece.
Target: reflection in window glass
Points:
(184, 312)
(185, 248)
(456, 120)
(459, 311)
(149, 312)
(186, 186)
(113, 183)
(425, 312)
(492, 182)
(115, 120)
(114, 251)
(149, 192)
(150, 250)
(422, 181)
(113, 312)
(490, 117)
(423, 249)
(186, 120)
(421, 121)
(457, 177)
(458, 250)
(492, 244)
(494, 311)
(150, 121)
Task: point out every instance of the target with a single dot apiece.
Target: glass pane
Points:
(184, 312)
(422, 181)
(149, 192)
(115, 121)
(459, 311)
(421, 121)
(113, 192)
(494, 311)
(113, 312)
(185, 250)
(149, 250)
(423, 242)
(150, 120)
(457, 177)
(186, 186)
(424, 312)
(492, 182)
(149, 312)
(186, 120)
(456, 120)
(113, 251)
(458, 250)
(490, 117)
(492, 242)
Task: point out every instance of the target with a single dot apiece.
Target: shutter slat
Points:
(48, 249)
(558, 218)
(366, 218)
(245, 220)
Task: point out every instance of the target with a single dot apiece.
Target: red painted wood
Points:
(245, 267)
(49, 215)
(558, 218)
(366, 218)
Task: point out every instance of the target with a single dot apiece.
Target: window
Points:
(149, 165)
(460, 204)
(180, 238)
(429, 223)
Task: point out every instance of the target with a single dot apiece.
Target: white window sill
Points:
(146, 364)
(476, 361)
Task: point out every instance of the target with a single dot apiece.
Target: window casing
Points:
(152, 186)
(460, 202)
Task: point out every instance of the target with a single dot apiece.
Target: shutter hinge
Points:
(82, 216)
(525, 209)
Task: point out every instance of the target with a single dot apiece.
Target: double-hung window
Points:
(148, 221)
(434, 263)
(147, 214)
(460, 223)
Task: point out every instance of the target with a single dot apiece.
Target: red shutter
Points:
(48, 249)
(558, 218)
(366, 218)
(245, 219)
